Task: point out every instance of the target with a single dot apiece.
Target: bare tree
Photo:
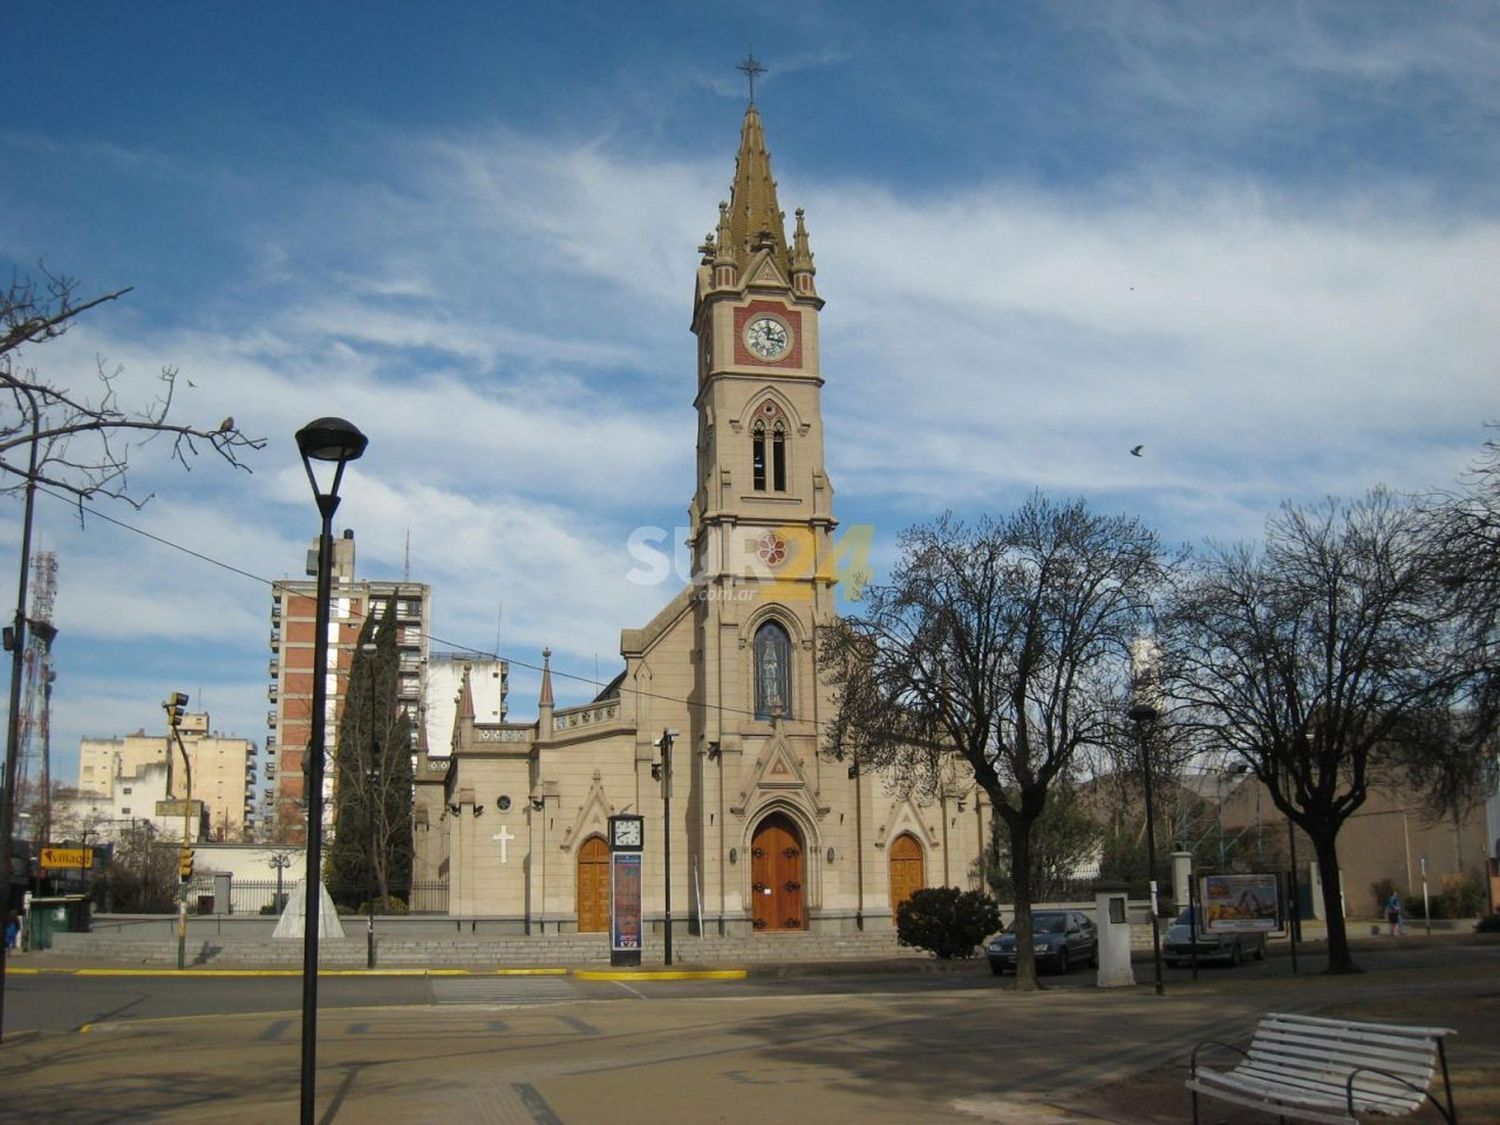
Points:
(79, 443)
(1006, 645)
(1468, 559)
(74, 443)
(1315, 659)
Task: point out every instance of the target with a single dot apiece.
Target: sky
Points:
(1259, 240)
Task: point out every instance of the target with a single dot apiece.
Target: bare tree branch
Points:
(84, 442)
(1327, 660)
(1004, 646)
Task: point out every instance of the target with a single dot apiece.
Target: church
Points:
(713, 731)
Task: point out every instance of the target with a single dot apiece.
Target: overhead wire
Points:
(455, 646)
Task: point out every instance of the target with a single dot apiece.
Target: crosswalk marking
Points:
(513, 991)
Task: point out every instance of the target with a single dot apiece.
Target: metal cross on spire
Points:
(751, 66)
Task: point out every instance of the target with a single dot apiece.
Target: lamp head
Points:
(331, 439)
(334, 441)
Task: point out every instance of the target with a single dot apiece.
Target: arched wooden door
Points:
(593, 886)
(908, 872)
(776, 875)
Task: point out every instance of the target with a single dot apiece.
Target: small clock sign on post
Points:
(627, 839)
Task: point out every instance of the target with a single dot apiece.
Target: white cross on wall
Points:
(505, 836)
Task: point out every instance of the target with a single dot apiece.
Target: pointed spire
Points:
(724, 246)
(755, 218)
(465, 697)
(802, 259)
(546, 699)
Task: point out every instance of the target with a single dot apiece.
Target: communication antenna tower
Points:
(36, 706)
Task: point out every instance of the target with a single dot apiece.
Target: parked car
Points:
(1060, 938)
(1230, 948)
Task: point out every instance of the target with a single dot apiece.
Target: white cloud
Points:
(506, 317)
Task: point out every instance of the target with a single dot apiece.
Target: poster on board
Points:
(1239, 903)
(625, 901)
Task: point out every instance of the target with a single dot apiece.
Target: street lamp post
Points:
(1142, 714)
(335, 441)
(174, 705)
(665, 773)
(372, 780)
(280, 861)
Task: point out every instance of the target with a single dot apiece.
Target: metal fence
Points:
(257, 896)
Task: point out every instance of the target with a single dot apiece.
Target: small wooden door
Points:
(776, 875)
(907, 870)
(593, 886)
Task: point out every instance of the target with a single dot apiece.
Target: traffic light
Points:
(176, 704)
(185, 864)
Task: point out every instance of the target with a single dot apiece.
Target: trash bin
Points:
(63, 914)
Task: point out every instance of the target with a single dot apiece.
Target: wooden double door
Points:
(593, 886)
(778, 869)
(908, 872)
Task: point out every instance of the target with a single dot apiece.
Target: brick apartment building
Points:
(293, 628)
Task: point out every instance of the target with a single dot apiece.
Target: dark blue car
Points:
(1060, 939)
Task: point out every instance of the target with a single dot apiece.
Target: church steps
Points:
(553, 950)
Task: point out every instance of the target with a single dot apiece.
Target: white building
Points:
(130, 800)
(489, 681)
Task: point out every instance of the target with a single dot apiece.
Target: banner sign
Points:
(67, 857)
(1240, 903)
(625, 900)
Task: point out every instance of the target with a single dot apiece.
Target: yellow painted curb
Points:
(548, 972)
(660, 974)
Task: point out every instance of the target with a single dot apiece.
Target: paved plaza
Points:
(889, 1043)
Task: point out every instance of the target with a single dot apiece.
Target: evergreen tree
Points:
(371, 852)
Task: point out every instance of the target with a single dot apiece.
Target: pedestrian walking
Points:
(12, 932)
(1393, 914)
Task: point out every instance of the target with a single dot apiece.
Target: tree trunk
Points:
(1340, 959)
(383, 878)
(1020, 877)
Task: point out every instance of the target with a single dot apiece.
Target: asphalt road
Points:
(67, 1002)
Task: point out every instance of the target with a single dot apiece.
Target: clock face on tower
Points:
(767, 337)
(625, 833)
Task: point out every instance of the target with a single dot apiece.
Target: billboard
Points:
(1239, 903)
(625, 900)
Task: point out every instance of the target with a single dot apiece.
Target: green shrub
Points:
(1462, 896)
(946, 921)
(1465, 893)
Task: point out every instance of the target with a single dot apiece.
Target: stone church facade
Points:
(768, 836)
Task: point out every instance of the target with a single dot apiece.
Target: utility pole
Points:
(1142, 714)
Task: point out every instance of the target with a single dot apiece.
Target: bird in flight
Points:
(1136, 450)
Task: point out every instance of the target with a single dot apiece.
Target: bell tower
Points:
(760, 426)
(762, 510)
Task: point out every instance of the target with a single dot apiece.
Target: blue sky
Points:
(1259, 239)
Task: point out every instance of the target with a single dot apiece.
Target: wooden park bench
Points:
(1318, 1069)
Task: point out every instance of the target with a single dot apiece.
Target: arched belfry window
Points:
(768, 449)
(773, 672)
